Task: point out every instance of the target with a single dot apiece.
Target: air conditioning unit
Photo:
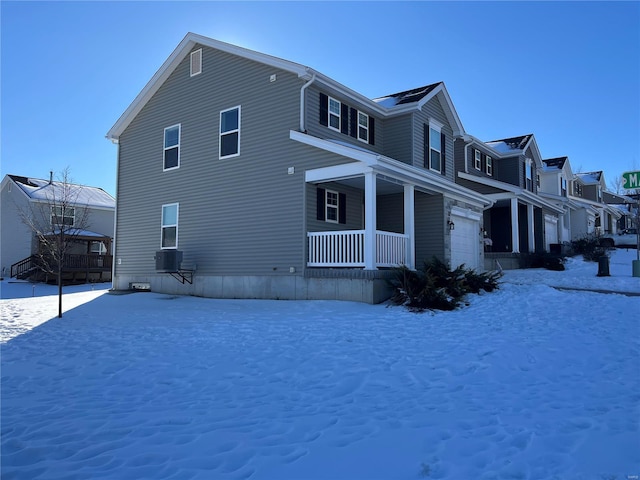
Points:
(168, 261)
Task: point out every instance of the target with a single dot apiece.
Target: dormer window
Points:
(478, 160)
(489, 166)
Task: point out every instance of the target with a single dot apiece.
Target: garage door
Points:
(465, 247)
(550, 231)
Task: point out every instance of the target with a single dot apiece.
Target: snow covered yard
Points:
(529, 382)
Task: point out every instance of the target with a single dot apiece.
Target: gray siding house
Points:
(507, 171)
(33, 196)
(589, 191)
(242, 175)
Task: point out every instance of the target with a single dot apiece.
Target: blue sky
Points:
(568, 72)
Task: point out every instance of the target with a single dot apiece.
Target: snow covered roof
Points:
(408, 96)
(590, 178)
(552, 164)
(45, 190)
(511, 145)
(76, 232)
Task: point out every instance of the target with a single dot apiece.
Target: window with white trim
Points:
(331, 206)
(563, 186)
(363, 127)
(478, 160)
(172, 147)
(169, 226)
(529, 174)
(62, 215)
(334, 114)
(435, 146)
(196, 62)
(489, 166)
(230, 132)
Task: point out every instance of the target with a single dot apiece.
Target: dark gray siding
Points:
(478, 187)
(432, 109)
(429, 227)
(398, 140)
(459, 157)
(313, 126)
(237, 216)
(354, 208)
(390, 212)
(511, 171)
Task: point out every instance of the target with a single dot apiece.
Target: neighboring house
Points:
(242, 175)
(507, 172)
(625, 205)
(90, 258)
(555, 181)
(589, 189)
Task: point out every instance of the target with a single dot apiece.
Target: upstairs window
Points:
(196, 62)
(363, 127)
(577, 189)
(599, 193)
(171, 147)
(334, 114)
(489, 166)
(563, 186)
(478, 160)
(169, 235)
(529, 175)
(230, 132)
(62, 216)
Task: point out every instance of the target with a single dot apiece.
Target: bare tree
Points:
(615, 185)
(57, 220)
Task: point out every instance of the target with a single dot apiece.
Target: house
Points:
(242, 175)
(625, 206)
(588, 190)
(89, 259)
(507, 171)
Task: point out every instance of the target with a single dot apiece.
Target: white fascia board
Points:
(450, 111)
(395, 169)
(352, 94)
(178, 54)
(470, 139)
(336, 172)
(362, 156)
(465, 213)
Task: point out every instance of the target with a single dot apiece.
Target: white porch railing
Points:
(346, 249)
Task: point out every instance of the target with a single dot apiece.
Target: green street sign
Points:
(631, 180)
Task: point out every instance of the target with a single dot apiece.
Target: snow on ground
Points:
(529, 382)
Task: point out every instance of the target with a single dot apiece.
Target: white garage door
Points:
(465, 247)
(550, 231)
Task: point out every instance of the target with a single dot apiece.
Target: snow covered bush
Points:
(589, 247)
(435, 287)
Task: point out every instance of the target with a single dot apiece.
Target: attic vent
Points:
(196, 62)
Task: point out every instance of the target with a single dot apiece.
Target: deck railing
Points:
(346, 249)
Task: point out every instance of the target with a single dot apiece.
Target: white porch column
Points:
(409, 225)
(515, 232)
(370, 221)
(531, 229)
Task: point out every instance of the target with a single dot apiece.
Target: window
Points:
(563, 186)
(230, 132)
(478, 160)
(363, 127)
(196, 62)
(331, 206)
(489, 166)
(334, 114)
(98, 248)
(169, 226)
(435, 150)
(172, 147)
(577, 189)
(599, 193)
(529, 175)
(62, 215)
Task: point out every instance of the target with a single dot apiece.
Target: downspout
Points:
(302, 113)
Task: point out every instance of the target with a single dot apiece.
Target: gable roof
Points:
(408, 96)
(551, 164)
(411, 99)
(591, 178)
(44, 191)
(513, 145)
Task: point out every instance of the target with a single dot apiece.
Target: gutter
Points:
(302, 113)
